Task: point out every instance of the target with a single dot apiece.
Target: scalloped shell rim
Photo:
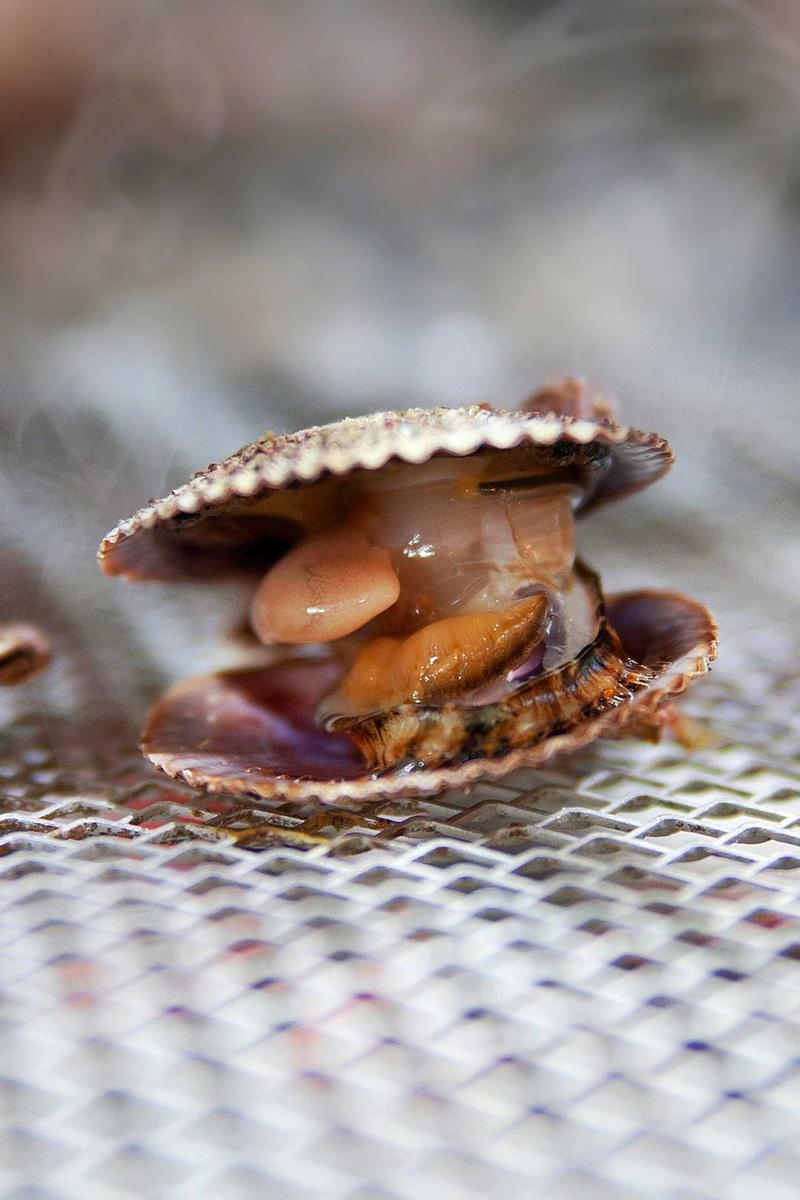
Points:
(412, 436)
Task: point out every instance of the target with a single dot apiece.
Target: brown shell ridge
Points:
(415, 737)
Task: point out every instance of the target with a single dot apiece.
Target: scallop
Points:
(418, 614)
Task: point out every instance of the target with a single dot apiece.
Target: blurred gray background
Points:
(222, 217)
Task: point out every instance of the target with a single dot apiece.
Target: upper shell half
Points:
(258, 731)
(211, 525)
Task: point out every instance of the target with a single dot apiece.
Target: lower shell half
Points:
(255, 732)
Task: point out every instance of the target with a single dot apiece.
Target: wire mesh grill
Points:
(578, 982)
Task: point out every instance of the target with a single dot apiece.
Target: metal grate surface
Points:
(579, 983)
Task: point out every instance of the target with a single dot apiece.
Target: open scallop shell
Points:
(253, 732)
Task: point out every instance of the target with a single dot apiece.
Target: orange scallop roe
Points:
(442, 659)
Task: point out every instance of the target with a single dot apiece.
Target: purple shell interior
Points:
(240, 724)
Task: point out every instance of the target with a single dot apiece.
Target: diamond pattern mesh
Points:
(576, 983)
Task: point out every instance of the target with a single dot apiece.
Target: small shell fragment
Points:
(24, 651)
